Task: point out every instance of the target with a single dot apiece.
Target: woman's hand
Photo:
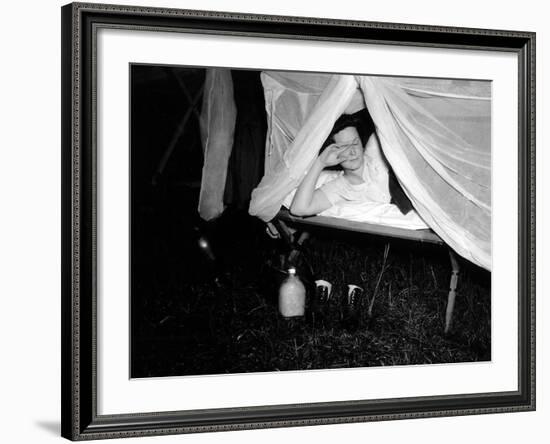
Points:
(332, 155)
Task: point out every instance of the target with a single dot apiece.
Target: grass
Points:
(185, 323)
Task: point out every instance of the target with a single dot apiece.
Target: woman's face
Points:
(352, 149)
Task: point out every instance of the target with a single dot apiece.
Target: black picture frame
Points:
(79, 169)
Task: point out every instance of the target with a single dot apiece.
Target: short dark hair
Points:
(361, 121)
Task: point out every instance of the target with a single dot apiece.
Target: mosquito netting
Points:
(434, 133)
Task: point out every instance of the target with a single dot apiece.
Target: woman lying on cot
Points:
(351, 138)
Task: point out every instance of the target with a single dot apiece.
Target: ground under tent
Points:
(433, 133)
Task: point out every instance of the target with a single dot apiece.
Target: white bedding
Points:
(369, 212)
(376, 213)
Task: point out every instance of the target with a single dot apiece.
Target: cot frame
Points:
(295, 240)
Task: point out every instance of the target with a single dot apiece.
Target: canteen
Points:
(292, 296)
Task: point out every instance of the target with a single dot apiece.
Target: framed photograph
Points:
(279, 221)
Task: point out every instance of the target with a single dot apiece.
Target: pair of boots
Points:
(329, 312)
(323, 292)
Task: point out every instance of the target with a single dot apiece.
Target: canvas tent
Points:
(434, 133)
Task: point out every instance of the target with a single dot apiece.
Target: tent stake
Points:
(452, 290)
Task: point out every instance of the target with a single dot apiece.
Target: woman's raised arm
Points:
(308, 201)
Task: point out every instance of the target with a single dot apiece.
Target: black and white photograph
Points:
(273, 222)
(291, 221)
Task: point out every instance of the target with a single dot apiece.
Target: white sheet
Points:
(370, 212)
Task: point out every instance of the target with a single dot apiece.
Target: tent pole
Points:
(452, 290)
(186, 93)
(176, 136)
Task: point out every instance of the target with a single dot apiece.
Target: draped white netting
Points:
(217, 126)
(435, 134)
